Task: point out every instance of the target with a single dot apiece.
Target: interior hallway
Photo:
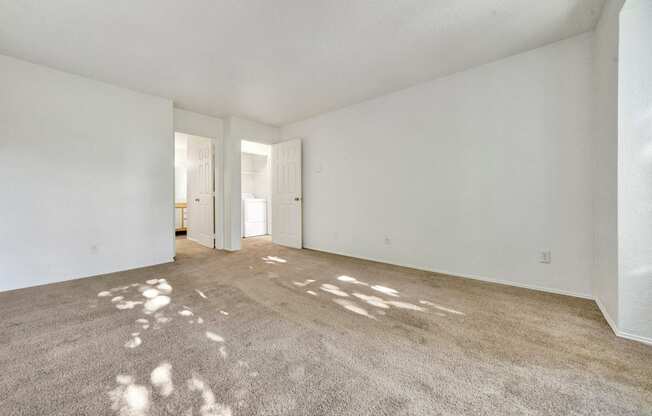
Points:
(271, 330)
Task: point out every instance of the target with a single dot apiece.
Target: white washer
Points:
(254, 216)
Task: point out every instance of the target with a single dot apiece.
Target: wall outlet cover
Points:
(545, 256)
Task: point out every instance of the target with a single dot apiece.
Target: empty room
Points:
(326, 207)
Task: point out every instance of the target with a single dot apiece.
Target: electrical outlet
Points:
(545, 257)
(388, 242)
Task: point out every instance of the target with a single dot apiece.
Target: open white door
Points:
(200, 191)
(286, 193)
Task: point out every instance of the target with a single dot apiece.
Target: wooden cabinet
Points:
(180, 216)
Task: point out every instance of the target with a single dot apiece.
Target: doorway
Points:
(271, 191)
(255, 188)
(194, 188)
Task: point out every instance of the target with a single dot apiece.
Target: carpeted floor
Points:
(276, 331)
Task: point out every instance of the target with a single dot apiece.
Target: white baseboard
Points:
(518, 284)
(633, 337)
(606, 315)
(608, 318)
(615, 328)
(469, 276)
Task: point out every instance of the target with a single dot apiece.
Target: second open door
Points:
(286, 194)
(201, 216)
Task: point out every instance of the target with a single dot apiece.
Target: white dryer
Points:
(254, 216)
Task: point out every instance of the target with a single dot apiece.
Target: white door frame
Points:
(218, 166)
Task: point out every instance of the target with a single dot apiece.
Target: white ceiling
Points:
(279, 61)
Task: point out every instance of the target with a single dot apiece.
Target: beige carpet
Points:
(276, 331)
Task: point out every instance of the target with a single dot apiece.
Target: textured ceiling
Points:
(283, 60)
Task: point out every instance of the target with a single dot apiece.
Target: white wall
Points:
(180, 167)
(254, 131)
(472, 174)
(198, 124)
(635, 169)
(86, 170)
(605, 161)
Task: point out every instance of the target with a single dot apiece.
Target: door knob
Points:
(297, 198)
(196, 199)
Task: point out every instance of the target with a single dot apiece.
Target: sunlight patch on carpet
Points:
(214, 337)
(351, 306)
(135, 341)
(151, 293)
(164, 287)
(129, 399)
(386, 290)
(441, 308)
(372, 300)
(156, 303)
(333, 290)
(223, 352)
(128, 304)
(349, 279)
(210, 407)
(274, 259)
(161, 378)
(406, 305)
